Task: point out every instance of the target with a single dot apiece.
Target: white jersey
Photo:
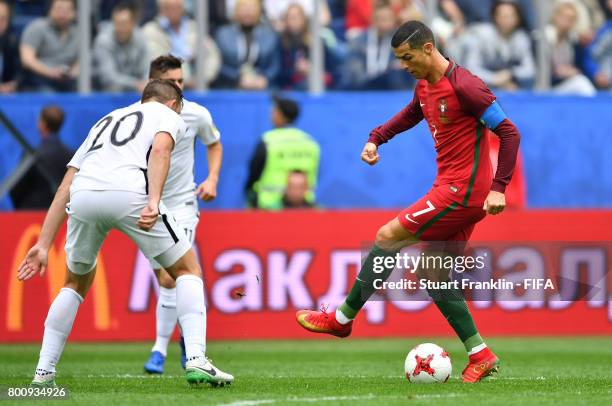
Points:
(115, 153)
(180, 186)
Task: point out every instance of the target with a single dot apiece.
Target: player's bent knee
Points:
(79, 277)
(174, 254)
(186, 265)
(386, 238)
(165, 280)
(80, 268)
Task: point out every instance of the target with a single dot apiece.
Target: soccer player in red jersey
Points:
(459, 110)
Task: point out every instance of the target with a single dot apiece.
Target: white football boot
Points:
(43, 379)
(201, 370)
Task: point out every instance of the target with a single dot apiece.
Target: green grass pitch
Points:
(539, 371)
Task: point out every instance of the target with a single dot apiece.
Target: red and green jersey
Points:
(457, 109)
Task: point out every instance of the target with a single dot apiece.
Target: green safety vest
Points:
(287, 149)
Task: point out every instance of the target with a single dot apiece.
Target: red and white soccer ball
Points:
(428, 363)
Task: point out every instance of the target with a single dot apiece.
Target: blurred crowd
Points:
(263, 44)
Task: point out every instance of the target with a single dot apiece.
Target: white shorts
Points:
(92, 214)
(187, 217)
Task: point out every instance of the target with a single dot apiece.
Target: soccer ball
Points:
(428, 363)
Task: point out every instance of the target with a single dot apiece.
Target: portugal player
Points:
(459, 110)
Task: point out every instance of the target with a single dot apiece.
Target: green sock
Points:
(452, 305)
(363, 287)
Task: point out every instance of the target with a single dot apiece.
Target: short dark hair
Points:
(52, 117)
(414, 33)
(163, 64)
(162, 91)
(287, 107)
(126, 5)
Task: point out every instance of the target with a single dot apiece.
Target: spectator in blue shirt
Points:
(598, 63)
(249, 49)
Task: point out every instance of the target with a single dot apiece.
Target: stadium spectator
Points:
(49, 50)
(296, 191)
(589, 17)
(359, 13)
(249, 49)
(9, 51)
(275, 11)
(500, 52)
(283, 150)
(35, 190)
(563, 44)
(370, 63)
(295, 50)
(173, 32)
(478, 11)
(146, 10)
(120, 53)
(598, 63)
(218, 14)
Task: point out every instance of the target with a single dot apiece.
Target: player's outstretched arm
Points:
(369, 154)
(159, 163)
(36, 258)
(207, 190)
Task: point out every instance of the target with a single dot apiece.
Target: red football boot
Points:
(323, 322)
(482, 364)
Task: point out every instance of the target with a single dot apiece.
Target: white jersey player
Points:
(115, 181)
(180, 195)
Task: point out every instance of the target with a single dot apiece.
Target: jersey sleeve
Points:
(171, 123)
(473, 94)
(207, 131)
(407, 118)
(79, 156)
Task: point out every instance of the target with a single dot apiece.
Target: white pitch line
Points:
(249, 402)
(338, 398)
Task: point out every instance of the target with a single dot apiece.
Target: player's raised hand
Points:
(207, 190)
(494, 203)
(369, 154)
(148, 216)
(34, 262)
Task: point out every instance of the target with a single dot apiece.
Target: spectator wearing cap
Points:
(281, 151)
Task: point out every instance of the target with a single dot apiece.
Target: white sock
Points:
(192, 314)
(165, 318)
(59, 322)
(476, 349)
(341, 318)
